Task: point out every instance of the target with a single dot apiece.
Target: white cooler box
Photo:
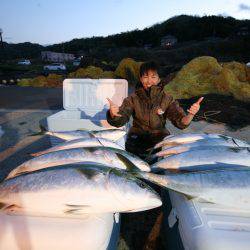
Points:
(207, 226)
(95, 232)
(85, 104)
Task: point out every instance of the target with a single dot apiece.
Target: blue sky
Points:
(55, 21)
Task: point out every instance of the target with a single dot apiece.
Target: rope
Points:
(206, 116)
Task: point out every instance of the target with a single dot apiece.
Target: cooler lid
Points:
(90, 95)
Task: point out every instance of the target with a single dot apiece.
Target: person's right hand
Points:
(113, 109)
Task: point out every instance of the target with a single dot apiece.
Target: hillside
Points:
(189, 30)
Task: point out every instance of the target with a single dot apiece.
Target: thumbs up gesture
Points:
(113, 109)
(195, 107)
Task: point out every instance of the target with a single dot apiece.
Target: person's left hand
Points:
(195, 107)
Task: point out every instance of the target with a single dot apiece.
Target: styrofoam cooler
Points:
(96, 231)
(208, 226)
(85, 105)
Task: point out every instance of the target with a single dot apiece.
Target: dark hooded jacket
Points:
(148, 127)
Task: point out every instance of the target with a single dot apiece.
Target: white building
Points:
(51, 56)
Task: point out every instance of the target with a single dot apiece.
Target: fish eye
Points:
(142, 185)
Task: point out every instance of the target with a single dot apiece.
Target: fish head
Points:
(133, 193)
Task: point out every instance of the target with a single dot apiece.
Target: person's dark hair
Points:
(145, 67)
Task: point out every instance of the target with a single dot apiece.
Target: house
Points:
(168, 41)
(51, 56)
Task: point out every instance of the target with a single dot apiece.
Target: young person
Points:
(150, 108)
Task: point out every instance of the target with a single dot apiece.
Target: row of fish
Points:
(191, 151)
(89, 173)
(210, 167)
(85, 174)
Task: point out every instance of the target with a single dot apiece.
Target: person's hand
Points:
(195, 107)
(113, 109)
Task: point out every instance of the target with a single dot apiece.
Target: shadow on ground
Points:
(22, 155)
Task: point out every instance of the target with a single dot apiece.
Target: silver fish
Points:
(175, 140)
(77, 143)
(109, 134)
(230, 186)
(108, 156)
(191, 160)
(75, 190)
(213, 142)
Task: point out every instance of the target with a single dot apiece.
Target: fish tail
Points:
(16, 171)
(160, 154)
(158, 145)
(151, 158)
(12, 174)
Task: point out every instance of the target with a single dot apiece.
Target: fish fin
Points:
(201, 200)
(189, 197)
(151, 158)
(76, 206)
(235, 142)
(149, 149)
(3, 205)
(16, 174)
(100, 142)
(151, 153)
(130, 166)
(39, 153)
(91, 135)
(198, 199)
(88, 173)
(77, 209)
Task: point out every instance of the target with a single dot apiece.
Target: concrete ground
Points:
(21, 110)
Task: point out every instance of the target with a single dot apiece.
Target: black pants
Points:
(142, 144)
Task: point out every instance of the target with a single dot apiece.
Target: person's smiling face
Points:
(149, 79)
